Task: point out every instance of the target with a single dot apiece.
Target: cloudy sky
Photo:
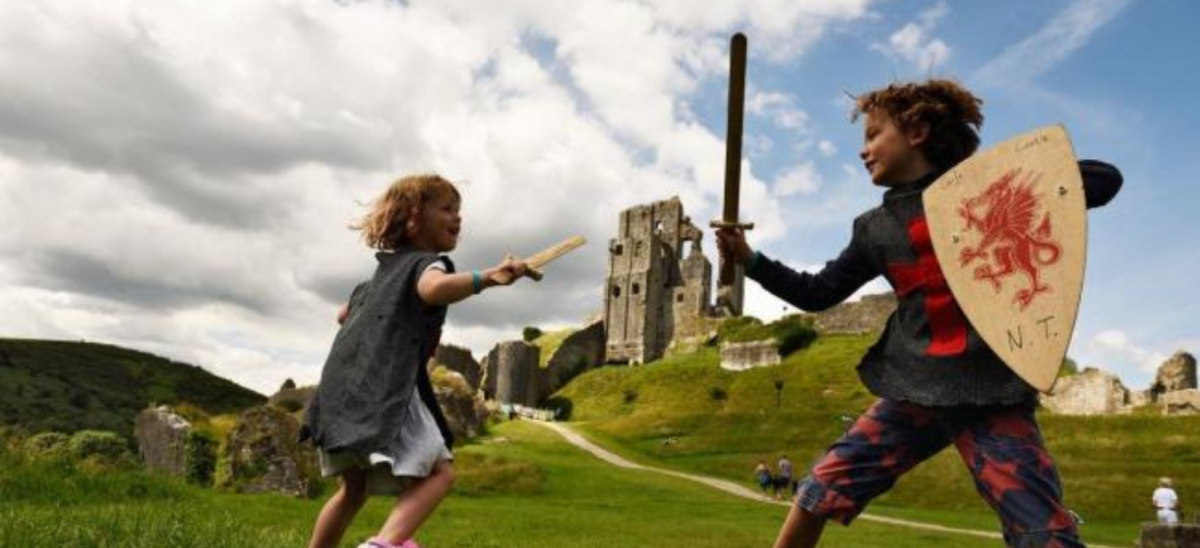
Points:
(177, 177)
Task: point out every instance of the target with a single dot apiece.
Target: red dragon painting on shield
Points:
(1011, 240)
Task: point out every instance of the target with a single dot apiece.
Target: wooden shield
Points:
(1009, 228)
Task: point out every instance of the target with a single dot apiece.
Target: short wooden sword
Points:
(536, 261)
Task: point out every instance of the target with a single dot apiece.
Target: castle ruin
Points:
(1094, 392)
(656, 290)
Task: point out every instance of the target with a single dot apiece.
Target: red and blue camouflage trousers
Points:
(1001, 446)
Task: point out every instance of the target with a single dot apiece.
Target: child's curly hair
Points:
(385, 226)
(951, 113)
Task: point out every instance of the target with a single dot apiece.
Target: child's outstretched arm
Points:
(835, 283)
(439, 288)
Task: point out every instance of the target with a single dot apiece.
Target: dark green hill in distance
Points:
(69, 386)
(686, 413)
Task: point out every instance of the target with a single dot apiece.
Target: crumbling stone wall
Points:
(460, 360)
(1177, 373)
(748, 355)
(1089, 392)
(262, 455)
(513, 375)
(461, 403)
(1155, 535)
(867, 315)
(1094, 392)
(162, 440)
(1181, 402)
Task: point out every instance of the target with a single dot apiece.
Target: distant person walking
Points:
(1166, 502)
(762, 473)
(783, 483)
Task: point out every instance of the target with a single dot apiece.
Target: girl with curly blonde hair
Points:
(374, 418)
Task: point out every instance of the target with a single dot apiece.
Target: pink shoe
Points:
(377, 542)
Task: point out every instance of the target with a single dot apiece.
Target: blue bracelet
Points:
(476, 281)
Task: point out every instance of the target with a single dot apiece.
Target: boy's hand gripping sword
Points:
(729, 288)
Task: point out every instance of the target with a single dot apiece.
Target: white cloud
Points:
(779, 108)
(800, 179)
(827, 148)
(757, 146)
(1017, 70)
(1022, 63)
(1115, 351)
(782, 29)
(914, 44)
(186, 186)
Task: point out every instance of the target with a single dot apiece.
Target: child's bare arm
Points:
(439, 288)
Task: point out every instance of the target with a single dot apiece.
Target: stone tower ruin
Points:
(657, 288)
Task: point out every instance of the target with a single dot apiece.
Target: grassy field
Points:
(686, 413)
(521, 488)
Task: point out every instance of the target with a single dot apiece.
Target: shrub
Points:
(47, 445)
(192, 413)
(742, 329)
(289, 405)
(530, 333)
(200, 457)
(562, 407)
(12, 438)
(1069, 367)
(793, 333)
(87, 443)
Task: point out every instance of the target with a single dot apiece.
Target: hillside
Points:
(69, 386)
(687, 413)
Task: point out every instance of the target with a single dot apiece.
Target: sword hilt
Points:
(718, 224)
(727, 274)
(530, 272)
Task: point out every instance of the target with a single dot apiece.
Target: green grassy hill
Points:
(549, 342)
(687, 413)
(523, 487)
(69, 386)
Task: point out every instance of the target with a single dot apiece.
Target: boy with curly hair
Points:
(937, 381)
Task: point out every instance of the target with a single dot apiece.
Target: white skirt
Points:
(392, 470)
